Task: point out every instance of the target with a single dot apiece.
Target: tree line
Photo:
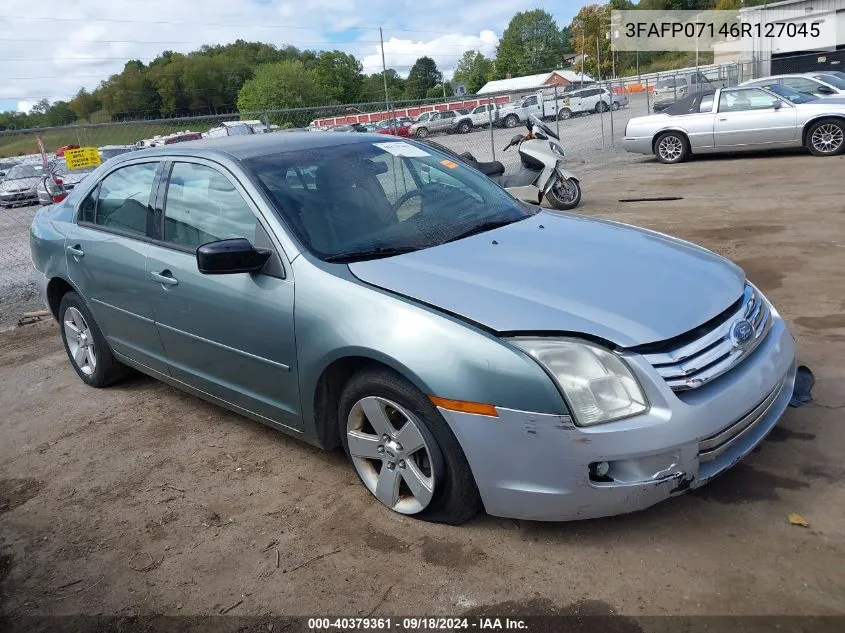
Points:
(249, 76)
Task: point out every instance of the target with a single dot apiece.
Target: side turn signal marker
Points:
(465, 407)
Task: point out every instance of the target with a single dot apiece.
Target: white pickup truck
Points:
(507, 115)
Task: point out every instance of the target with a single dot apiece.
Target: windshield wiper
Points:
(484, 226)
(375, 252)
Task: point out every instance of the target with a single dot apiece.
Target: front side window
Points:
(121, 202)
(745, 100)
(424, 117)
(372, 199)
(531, 101)
(202, 205)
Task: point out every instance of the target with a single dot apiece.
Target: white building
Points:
(763, 56)
(520, 86)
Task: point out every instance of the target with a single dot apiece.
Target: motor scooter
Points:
(541, 174)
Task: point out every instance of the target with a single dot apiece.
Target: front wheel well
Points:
(327, 394)
(811, 123)
(56, 289)
(662, 132)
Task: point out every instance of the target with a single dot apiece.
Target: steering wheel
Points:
(407, 196)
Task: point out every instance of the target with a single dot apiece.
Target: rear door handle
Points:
(75, 251)
(165, 278)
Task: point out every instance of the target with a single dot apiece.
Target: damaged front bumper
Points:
(544, 467)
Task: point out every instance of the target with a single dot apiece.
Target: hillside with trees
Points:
(249, 76)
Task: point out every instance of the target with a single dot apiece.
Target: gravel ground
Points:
(139, 500)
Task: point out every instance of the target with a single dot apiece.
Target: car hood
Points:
(74, 177)
(19, 184)
(567, 273)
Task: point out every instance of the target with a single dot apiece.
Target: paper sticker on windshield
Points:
(400, 148)
(449, 163)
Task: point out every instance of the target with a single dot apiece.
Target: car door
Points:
(699, 123)
(751, 117)
(106, 248)
(230, 335)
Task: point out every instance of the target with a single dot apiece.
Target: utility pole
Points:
(583, 50)
(384, 72)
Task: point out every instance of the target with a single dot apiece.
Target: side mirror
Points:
(777, 105)
(824, 90)
(227, 257)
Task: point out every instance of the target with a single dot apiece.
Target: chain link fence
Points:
(589, 119)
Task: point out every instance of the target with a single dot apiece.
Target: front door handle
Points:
(75, 251)
(165, 277)
(723, 118)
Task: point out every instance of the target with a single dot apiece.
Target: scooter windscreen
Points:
(537, 123)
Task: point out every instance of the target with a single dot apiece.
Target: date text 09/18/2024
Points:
(417, 624)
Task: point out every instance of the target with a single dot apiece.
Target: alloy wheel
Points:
(827, 138)
(80, 341)
(391, 454)
(670, 148)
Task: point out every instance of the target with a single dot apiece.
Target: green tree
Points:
(473, 70)
(84, 104)
(423, 75)
(587, 36)
(60, 113)
(339, 75)
(532, 43)
(372, 87)
(130, 94)
(286, 84)
(439, 91)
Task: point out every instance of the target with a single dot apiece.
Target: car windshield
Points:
(833, 80)
(671, 82)
(790, 94)
(60, 167)
(363, 200)
(25, 171)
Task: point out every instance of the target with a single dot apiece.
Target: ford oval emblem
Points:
(742, 333)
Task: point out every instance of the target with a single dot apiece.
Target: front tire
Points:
(465, 127)
(564, 114)
(86, 347)
(601, 106)
(511, 120)
(422, 132)
(403, 450)
(671, 148)
(826, 138)
(565, 194)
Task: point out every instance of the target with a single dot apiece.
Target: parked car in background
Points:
(110, 151)
(816, 84)
(434, 122)
(670, 89)
(739, 119)
(5, 166)
(19, 186)
(479, 116)
(351, 127)
(236, 128)
(396, 127)
(428, 338)
(60, 180)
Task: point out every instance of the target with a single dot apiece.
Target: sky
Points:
(49, 53)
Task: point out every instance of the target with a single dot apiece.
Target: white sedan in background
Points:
(817, 84)
(740, 119)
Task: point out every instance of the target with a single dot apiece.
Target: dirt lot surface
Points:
(139, 499)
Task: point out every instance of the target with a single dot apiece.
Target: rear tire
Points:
(422, 132)
(377, 403)
(826, 137)
(511, 120)
(615, 106)
(671, 148)
(86, 347)
(565, 195)
(601, 106)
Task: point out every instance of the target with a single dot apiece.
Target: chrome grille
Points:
(712, 447)
(691, 365)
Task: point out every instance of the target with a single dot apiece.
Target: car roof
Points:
(242, 147)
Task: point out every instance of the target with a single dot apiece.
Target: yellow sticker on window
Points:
(82, 157)
(449, 163)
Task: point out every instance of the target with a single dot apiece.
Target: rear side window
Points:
(706, 104)
(202, 205)
(122, 200)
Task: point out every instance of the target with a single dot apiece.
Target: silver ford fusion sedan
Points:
(465, 349)
(740, 119)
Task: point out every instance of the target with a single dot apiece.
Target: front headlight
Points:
(597, 383)
(556, 148)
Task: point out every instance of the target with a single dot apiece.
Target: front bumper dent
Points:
(537, 466)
